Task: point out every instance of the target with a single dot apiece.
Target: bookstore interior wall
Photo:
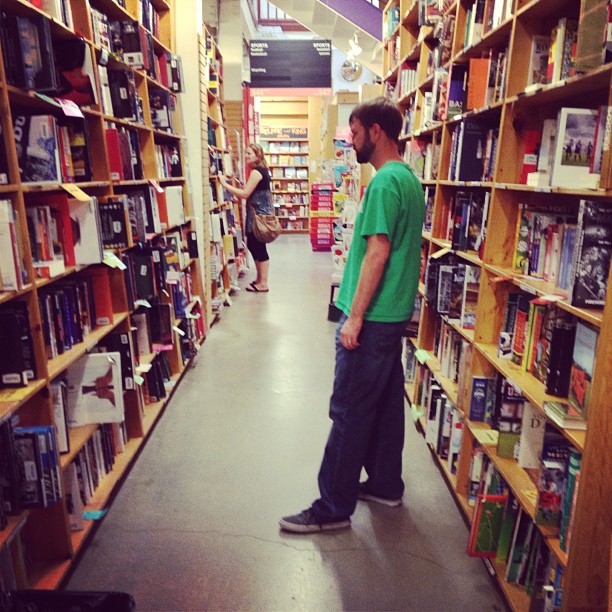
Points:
(102, 304)
(507, 123)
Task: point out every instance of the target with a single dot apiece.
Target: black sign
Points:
(290, 63)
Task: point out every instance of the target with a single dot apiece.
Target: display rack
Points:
(39, 544)
(426, 43)
(287, 156)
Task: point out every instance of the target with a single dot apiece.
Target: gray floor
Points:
(195, 526)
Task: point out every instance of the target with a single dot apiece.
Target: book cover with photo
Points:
(583, 365)
(95, 393)
(576, 131)
(37, 147)
(592, 254)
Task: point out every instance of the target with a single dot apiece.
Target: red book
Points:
(162, 207)
(103, 297)
(530, 154)
(114, 154)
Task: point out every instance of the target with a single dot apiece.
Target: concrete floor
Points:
(195, 526)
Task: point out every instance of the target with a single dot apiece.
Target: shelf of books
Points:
(227, 254)
(287, 157)
(507, 117)
(101, 302)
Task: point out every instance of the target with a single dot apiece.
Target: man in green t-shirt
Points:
(377, 296)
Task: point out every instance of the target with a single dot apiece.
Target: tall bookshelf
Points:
(38, 544)
(414, 49)
(226, 256)
(287, 156)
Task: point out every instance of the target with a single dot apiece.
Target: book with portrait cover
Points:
(592, 254)
(95, 393)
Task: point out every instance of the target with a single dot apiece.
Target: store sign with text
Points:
(303, 65)
(278, 133)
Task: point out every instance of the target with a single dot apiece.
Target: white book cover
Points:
(9, 273)
(95, 394)
(574, 147)
(433, 416)
(74, 503)
(532, 437)
(175, 206)
(85, 223)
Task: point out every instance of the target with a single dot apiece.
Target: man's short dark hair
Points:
(382, 111)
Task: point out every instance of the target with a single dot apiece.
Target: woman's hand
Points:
(223, 181)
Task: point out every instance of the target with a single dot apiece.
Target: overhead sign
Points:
(286, 64)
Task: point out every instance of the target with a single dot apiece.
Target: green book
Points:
(505, 536)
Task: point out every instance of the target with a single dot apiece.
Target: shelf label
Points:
(528, 289)
(422, 355)
(94, 515)
(142, 303)
(417, 412)
(156, 186)
(112, 261)
(75, 192)
(139, 380)
(178, 330)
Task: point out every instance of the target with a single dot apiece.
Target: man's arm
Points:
(372, 269)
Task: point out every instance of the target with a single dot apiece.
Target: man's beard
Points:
(365, 152)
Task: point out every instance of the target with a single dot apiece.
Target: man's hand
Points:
(349, 334)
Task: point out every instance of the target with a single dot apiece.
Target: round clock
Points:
(351, 70)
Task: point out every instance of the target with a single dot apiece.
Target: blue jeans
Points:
(367, 410)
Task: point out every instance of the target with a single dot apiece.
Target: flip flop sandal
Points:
(252, 288)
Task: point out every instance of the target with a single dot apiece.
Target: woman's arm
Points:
(248, 189)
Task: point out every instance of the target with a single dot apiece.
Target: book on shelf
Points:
(576, 132)
(95, 393)
(74, 503)
(562, 40)
(481, 398)
(102, 294)
(552, 478)
(37, 146)
(77, 75)
(583, 365)
(115, 228)
(507, 416)
(538, 60)
(27, 49)
(174, 205)
(13, 369)
(59, 394)
(592, 255)
(85, 221)
(569, 497)
(486, 525)
(564, 415)
(532, 437)
(16, 314)
(10, 474)
(123, 95)
(161, 105)
(119, 342)
(519, 329)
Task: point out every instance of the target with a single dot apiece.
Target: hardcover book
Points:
(115, 228)
(486, 525)
(576, 129)
(77, 80)
(37, 147)
(85, 219)
(95, 392)
(481, 398)
(592, 254)
(538, 61)
(583, 364)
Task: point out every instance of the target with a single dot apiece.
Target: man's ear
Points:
(375, 131)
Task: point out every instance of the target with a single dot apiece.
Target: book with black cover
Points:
(133, 53)
(37, 146)
(160, 102)
(13, 369)
(144, 275)
(4, 169)
(29, 461)
(192, 244)
(28, 52)
(10, 475)
(592, 254)
(119, 342)
(123, 94)
(81, 161)
(19, 310)
(160, 319)
(115, 227)
(77, 80)
(470, 159)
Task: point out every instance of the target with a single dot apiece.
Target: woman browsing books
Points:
(257, 193)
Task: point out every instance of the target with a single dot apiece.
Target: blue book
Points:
(480, 400)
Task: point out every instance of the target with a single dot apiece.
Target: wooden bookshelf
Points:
(288, 157)
(411, 45)
(42, 535)
(226, 254)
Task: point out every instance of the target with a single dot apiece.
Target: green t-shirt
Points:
(394, 205)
